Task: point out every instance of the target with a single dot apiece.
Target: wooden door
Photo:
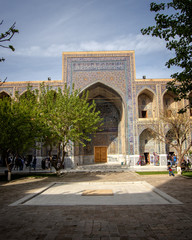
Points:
(100, 154)
(97, 154)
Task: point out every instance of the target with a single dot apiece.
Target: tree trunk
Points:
(58, 169)
(8, 168)
(50, 151)
(179, 161)
(179, 171)
(63, 155)
(58, 172)
(9, 176)
(58, 164)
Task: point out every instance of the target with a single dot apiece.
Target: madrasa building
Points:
(127, 105)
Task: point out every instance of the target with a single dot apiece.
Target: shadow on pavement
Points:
(97, 222)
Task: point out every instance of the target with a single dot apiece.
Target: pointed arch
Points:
(27, 94)
(147, 89)
(4, 94)
(116, 91)
(146, 103)
(169, 102)
(112, 134)
(147, 144)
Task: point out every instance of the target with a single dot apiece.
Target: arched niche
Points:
(3, 95)
(169, 104)
(147, 144)
(112, 134)
(27, 95)
(52, 94)
(146, 104)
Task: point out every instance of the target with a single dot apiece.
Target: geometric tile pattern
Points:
(114, 69)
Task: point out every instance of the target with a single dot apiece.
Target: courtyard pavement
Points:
(79, 220)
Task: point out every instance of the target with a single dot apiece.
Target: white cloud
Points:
(141, 44)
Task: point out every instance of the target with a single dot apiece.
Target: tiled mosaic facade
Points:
(114, 69)
(111, 75)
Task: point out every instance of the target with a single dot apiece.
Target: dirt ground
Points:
(96, 222)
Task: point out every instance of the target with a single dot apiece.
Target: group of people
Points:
(172, 161)
(152, 159)
(186, 164)
(18, 163)
(46, 163)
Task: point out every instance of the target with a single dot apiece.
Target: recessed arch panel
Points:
(169, 103)
(146, 103)
(111, 107)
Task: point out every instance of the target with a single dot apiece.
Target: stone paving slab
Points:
(124, 193)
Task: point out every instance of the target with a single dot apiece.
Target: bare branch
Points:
(174, 129)
(6, 37)
(1, 83)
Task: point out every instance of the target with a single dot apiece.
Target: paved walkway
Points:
(105, 167)
(114, 222)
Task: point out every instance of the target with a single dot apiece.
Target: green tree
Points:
(175, 27)
(66, 116)
(18, 126)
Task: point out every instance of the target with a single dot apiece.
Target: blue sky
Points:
(47, 28)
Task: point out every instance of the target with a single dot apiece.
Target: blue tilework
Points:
(113, 71)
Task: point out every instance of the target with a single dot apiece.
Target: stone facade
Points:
(128, 105)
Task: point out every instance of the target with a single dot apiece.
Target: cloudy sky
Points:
(49, 27)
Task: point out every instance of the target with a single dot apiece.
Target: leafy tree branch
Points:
(176, 29)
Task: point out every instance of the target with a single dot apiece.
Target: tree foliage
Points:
(53, 117)
(66, 117)
(18, 126)
(175, 27)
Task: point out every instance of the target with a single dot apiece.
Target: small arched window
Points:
(145, 104)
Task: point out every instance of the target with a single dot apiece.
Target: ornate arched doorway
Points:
(108, 143)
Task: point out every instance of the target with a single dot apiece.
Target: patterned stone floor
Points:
(97, 193)
(163, 221)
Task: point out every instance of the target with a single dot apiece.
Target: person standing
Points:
(174, 160)
(34, 162)
(171, 172)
